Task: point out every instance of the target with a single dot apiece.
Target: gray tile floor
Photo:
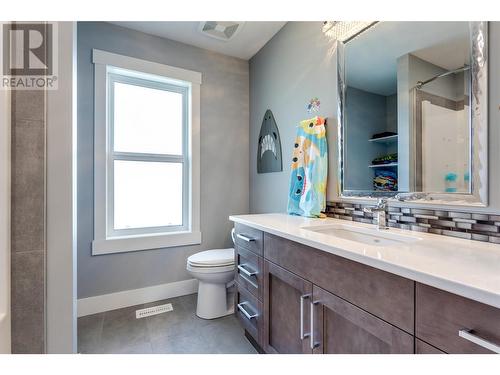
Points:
(176, 332)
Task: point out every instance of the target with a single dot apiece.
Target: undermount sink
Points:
(366, 236)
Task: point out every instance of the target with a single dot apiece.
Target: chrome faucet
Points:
(379, 209)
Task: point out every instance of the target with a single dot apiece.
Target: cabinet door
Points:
(286, 311)
(342, 328)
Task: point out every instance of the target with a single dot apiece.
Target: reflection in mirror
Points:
(407, 118)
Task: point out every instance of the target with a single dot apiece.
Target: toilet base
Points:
(213, 301)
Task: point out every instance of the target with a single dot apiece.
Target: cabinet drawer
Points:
(249, 271)
(249, 238)
(388, 296)
(248, 309)
(441, 315)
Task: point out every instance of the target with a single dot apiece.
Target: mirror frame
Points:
(479, 130)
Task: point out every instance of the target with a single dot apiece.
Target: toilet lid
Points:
(212, 258)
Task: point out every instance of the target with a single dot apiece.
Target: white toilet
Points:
(214, 269)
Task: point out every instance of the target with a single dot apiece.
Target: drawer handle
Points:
(250, 274)
(242, 268)
(313, 343)
(466, 334)
(245, 237)
(245, 312)
(302, 334)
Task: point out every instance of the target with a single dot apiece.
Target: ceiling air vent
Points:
(221, 30)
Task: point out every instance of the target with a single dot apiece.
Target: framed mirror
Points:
(413, 112)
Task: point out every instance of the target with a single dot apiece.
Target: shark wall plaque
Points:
(269, 148)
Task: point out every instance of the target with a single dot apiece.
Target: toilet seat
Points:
(215, 269)
(218, 258)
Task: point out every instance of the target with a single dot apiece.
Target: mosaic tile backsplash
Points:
(479, 227)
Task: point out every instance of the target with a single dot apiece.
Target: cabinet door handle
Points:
(245, 237)
(313, 343)
(242, 268)
(466, 334)
(302, 334)
(245, 312)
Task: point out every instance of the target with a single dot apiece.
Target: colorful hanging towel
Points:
(307, 195)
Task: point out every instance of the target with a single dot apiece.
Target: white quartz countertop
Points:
(468, 268)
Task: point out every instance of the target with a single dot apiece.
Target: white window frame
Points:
(120, 76)
(110, 68)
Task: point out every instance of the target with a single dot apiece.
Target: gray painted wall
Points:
(224, 157)
(294, 66)
(298, 60)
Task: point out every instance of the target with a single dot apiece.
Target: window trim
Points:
(111, 241)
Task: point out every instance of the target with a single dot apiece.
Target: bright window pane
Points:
(147, 120)
(147, 194)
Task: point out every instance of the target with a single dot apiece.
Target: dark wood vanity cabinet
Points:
(388, 296)
(297, 299)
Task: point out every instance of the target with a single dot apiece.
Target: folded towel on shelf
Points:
(385, 180)
(385, 159)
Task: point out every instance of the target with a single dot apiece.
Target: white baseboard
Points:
(113, 301)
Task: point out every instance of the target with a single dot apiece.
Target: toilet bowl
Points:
(213, 269)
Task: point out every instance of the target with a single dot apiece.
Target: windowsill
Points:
(144, 242)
